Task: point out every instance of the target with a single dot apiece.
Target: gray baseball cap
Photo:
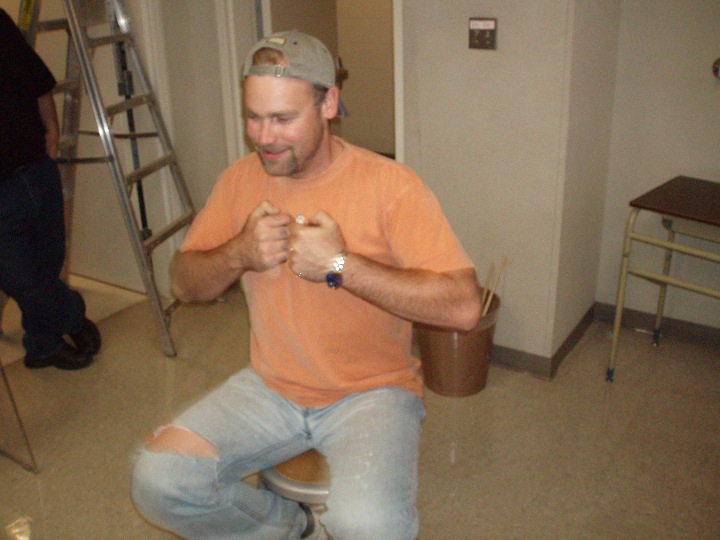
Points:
(308, 60)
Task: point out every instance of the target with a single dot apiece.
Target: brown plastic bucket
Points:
(455, 364)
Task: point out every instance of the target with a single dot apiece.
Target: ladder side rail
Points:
(68, 148)
(188, 209)
(126, 89)
(131, 224)
(70, 118)
(187, 205)
(28, 20)
(124, 25)
(93, 90)
(160, 128)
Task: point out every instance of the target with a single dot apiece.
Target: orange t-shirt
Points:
(316, 345)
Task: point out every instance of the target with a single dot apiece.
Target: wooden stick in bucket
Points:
(486, 303)
(485, 290)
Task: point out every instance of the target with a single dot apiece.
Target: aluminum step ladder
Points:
(92, 25)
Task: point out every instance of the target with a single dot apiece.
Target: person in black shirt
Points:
(32, 223)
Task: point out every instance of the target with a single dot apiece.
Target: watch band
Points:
(334, 276)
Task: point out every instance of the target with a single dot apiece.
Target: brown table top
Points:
(684, 197)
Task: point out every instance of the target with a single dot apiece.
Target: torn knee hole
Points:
(180, 440)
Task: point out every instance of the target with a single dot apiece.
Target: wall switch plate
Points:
(483, 33)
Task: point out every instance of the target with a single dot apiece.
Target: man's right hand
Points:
(263, 242)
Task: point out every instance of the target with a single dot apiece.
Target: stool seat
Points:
(304, 478)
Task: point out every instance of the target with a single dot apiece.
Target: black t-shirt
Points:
(24, 77)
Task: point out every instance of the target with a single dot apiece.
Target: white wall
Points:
(193, 60)
(485, 129)
(666, 122)
(590, 81)
(535, 149)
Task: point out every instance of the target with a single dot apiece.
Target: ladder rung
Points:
(52, 24)
(66, 85)
(66, 143)
(136, 135)
(126, 105)
(166, 232)
(148, 169)
(109, 39)
(83, 161)
(172, 307)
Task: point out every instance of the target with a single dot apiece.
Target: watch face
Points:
(333, 280)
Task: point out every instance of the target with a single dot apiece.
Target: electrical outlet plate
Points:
(483, 33)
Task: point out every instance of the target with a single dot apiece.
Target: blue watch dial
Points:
(333, 280)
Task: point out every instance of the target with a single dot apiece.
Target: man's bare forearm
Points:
(447, 299)
(450, 300)
(201, 276)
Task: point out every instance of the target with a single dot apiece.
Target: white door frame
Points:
(230, 79)
(399, 80)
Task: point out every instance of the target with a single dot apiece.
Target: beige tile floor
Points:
(573, 458)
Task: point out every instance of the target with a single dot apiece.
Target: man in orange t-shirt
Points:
(339, 250)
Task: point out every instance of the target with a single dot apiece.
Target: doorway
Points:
(363, 35)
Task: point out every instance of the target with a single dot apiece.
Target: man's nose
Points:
(266, 133)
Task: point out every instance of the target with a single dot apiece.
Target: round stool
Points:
(304, 478)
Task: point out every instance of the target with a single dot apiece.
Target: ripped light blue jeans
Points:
(370, 441)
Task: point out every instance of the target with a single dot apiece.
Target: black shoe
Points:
(64, 357)
(88, 339)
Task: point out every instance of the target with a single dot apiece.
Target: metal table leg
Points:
(621, 292)
(663, 287)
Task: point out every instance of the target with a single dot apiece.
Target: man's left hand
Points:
(314, 245)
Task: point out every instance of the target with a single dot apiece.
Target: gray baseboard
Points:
(670, 327)
(540, 366)
(546, 368)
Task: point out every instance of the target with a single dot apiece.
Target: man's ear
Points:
(331, 103)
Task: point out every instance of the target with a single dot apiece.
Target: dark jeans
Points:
(32, 251)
